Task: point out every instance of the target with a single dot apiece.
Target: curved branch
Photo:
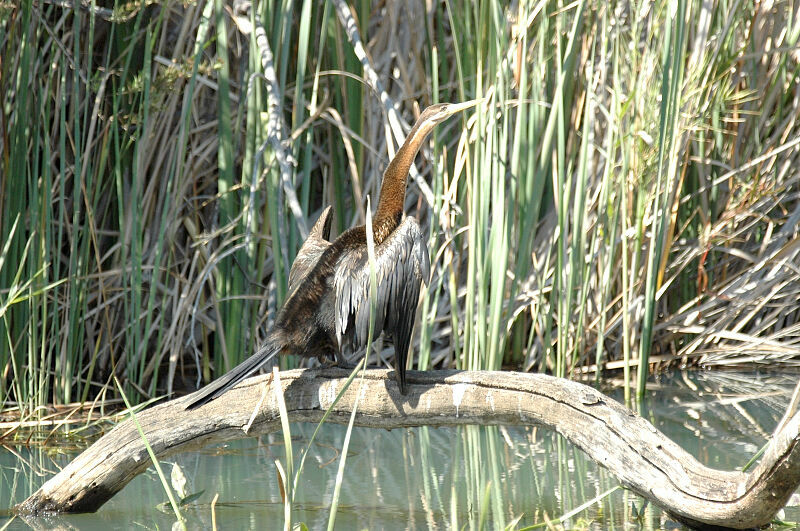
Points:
(642, 458)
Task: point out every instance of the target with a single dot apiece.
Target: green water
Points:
(429, 477)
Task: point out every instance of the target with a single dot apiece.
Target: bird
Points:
(327, 312)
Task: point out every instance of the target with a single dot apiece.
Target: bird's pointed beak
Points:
(458, 107)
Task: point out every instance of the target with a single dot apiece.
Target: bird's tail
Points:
(235, 375)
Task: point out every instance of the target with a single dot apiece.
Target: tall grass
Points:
(627, 194)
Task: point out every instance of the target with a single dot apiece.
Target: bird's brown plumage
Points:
(327, 311)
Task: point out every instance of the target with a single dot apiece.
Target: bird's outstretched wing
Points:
(401, 265)
(312, 249)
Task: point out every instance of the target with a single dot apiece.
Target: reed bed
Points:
(627, 196)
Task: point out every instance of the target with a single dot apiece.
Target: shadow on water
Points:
(467, 477)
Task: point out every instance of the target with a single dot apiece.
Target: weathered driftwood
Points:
(643, 459)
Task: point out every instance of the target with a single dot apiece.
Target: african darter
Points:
(327, 311)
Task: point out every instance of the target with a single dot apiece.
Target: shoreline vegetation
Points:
(628, 198)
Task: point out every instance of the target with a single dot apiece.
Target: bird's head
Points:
(438, 113)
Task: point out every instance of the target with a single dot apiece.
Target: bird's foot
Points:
(327, 362)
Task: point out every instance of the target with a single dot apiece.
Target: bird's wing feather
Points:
(312, 249)
(402, 264)
(269, 350)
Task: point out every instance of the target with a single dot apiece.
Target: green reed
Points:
(580, 216)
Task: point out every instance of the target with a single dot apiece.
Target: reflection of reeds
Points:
(630, 182)
(448, 476)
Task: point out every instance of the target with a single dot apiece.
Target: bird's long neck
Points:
(393, 187)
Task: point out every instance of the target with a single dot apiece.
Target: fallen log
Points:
(642, 458)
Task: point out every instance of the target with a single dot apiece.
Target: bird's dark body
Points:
(327, 312)
(312, 299)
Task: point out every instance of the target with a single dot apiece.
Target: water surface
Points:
(430, 477)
